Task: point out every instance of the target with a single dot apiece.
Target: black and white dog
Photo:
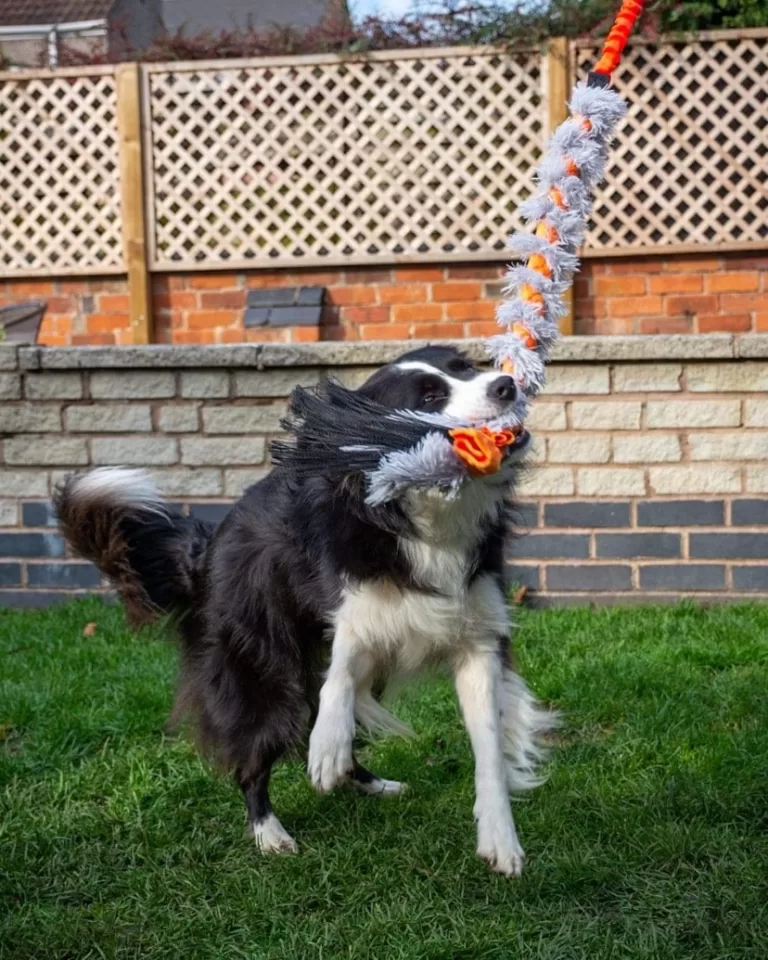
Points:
(305, 601)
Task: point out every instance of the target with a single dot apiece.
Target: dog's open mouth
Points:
(521, 441)
(522, 438)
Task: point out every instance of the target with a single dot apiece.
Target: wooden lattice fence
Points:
(397, 156)
(402, 156)
(59, 173)
(689, 169)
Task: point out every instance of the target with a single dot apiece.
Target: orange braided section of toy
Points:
(618, 36)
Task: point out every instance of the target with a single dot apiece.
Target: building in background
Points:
(194, 16)
(32, 32)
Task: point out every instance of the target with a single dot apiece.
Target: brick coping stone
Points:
(586, 349)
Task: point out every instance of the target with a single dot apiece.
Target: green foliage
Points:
(648, 843)
(713, 14)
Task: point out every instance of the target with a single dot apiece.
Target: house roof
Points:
(198, 15)
(22, 13)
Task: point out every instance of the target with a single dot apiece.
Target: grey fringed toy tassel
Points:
(572, 167)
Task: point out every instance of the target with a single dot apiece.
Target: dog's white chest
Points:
(407, 629)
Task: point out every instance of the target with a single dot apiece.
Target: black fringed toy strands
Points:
(338, 432)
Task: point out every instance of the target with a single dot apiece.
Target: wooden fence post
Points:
(558, 91)
(132, 200)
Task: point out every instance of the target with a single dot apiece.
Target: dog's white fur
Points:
(272, 837)
(119, 485)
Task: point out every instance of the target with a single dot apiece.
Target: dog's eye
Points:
(433, 398)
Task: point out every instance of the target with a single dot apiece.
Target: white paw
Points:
(498, 845)
(381, 788)
(330, 757)
(272, 837)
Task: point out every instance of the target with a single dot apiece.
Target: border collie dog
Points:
(305, 601)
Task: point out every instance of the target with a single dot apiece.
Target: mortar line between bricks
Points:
(592, 599)
(678, 561)
(752, 529)
(598, 561)
(680, 527)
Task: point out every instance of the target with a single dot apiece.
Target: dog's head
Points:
(441, 379)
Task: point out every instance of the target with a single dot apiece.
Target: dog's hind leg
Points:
(375, 718)
(270, 835)
(372, 786)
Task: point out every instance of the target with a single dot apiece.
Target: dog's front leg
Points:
(330, 743)
(478, 685)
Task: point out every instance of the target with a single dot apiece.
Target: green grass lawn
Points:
(649, 841)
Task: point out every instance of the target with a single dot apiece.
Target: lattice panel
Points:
(59, 175)
(331, 161)
(689, 166)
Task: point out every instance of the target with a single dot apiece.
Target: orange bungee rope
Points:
(618, 36)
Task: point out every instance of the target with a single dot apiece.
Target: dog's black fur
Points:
(253, 599)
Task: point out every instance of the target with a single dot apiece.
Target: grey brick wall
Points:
(649, 479)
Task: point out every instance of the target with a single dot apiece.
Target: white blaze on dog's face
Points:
(442, 380)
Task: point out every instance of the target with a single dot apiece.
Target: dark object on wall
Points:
(21, 323)
(284, 307)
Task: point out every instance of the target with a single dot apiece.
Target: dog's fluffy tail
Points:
(370, 714)
(526, 722)
(115, 517)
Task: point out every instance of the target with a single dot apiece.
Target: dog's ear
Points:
(378, 387)
(393, 388)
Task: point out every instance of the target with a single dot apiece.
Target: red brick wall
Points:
(361, 304)
(80, 312)
(691, 294)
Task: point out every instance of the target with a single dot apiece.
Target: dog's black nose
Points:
(503, 390)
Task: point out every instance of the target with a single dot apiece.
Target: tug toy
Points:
(344, 434)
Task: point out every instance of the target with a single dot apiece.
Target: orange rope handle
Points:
(480, 448)
(618, 36)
